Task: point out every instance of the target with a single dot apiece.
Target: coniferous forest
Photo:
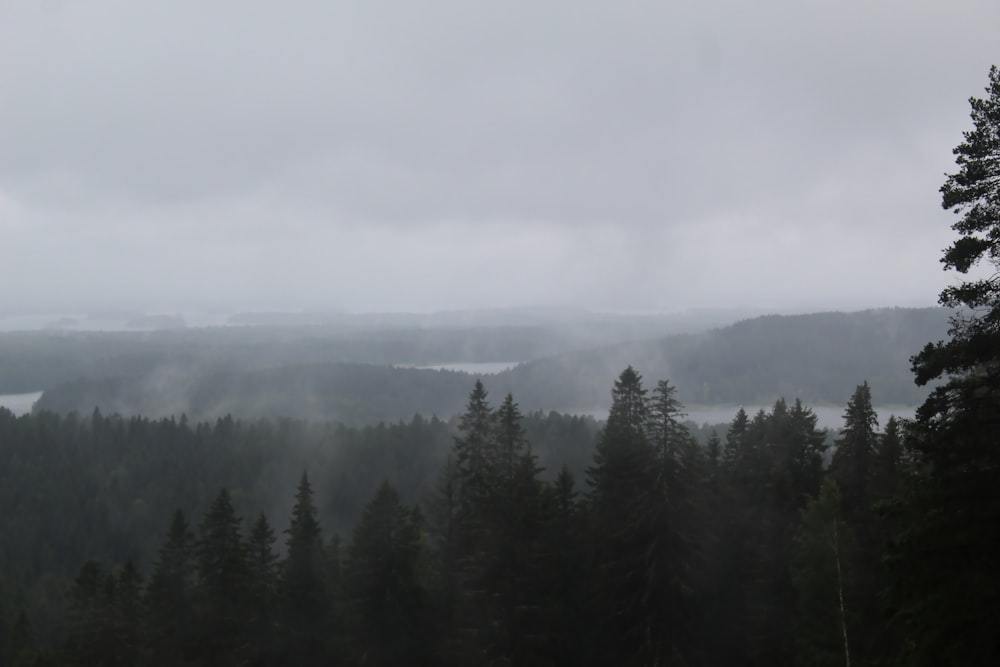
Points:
(502, 538)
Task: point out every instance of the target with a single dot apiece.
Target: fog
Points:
(173, 157)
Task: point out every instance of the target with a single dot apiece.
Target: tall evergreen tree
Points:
(944, 562)
(512, 558)
(387, 599)
(732, 452)
(169, 595)
(630, 546)
(888, 464)
(823, 572)
(128, 613)
(474, 483)
(564, 555)
(93, 636)
(475, 451)
(221, 562)
(263, 569)
(856, 450)
(679, 523)
(305, 600)
(444, 513)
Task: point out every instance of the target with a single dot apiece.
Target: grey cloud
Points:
(614, 142)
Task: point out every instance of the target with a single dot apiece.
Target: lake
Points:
(19, 404)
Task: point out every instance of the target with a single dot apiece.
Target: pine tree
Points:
(127, 614)
(169, 595)
(93, 638)
(305, 599)
(475, 451)
(262, 594)
(713, 454)
(823, 569)
(678, 521)
(856, 449)
(221, 563)
(732, 453)
(512, 576)
(387, 600)
(627, 506)
(781, 468)
(476, 460)
(564, 559)
(262, 564)
(944, 562)
(888, 463)
(444, 511)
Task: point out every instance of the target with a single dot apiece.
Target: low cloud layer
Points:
(394, 156)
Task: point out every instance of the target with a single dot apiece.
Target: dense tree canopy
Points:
(945, 559)
(470, 543)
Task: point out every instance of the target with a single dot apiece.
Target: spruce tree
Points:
(93, 637)
(823, 569)
(732, 452)
(263, 568)
(387, 600)
(888, 464)
(512, 558)
(475, 452)
(128, 613)
(221, 562)
(856, 450)
(169, 594)
(476, 459)
(627, 506)
(304, 594)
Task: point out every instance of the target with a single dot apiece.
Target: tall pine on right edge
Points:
(945, 563)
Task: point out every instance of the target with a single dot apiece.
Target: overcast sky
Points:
(629, 156)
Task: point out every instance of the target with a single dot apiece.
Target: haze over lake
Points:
(472, 368)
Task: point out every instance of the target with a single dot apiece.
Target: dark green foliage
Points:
(772, 465)
(342, 375)
(386, 580)
(305, 600)
(819, 357)
(856, 450)
(637, 572)
(943, 562)
(222, 592)
(888, 464)
(263, 569)
(475, 453)
(102, 632)
(562, 598)
(824, 571)
(487, 522)
(169, 595)
(743, 553)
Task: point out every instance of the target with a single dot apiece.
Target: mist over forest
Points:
(523, 334)
(342, 372)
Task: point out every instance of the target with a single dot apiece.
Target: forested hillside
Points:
(819, 357)
(507, 536)
(41, 359)
(534, 539)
